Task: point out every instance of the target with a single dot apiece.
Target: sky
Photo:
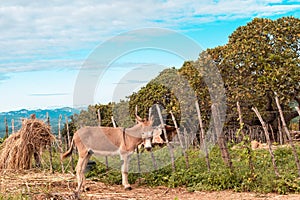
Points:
(74, 53)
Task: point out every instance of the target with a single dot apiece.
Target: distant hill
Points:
(40, 114)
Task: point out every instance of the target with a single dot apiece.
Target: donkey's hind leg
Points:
(80, 168)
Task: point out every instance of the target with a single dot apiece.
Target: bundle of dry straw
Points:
(18, 149)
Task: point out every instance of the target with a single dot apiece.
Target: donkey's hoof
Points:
(128, 188)
(76, 195)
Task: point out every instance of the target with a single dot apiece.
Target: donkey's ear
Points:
(151, 120)
(138, 119)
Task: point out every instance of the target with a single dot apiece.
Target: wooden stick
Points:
(268, 139)
(298, 110)
(220, 135)
(186, 138)
(202, 136)
(246, 140)
(60, 145)
(178, 134)
(286, 130)
(99, 117)
(6, 128)
(151, 152)
(113, 121)
(50, 146)
(69, 143)
(166, 137)
(281, 141)
(12, 125)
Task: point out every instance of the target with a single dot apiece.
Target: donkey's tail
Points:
(69, 152)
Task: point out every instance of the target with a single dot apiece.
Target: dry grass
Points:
(35, 184)
(17, 150)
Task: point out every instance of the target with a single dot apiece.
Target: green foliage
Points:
(158, 91)
(259, 57)
(121, 114)
(197, 177)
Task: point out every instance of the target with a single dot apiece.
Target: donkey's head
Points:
(146, 131)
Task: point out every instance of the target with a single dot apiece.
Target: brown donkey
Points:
(105, 141)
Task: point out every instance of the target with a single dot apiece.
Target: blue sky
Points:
(45, 44)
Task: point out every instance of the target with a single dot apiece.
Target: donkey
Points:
(107, 141)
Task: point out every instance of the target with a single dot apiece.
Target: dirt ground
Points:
(43, 185)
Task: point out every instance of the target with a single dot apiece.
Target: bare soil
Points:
(43, 185)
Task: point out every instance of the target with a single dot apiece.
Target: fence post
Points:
(202, 137)
(281, 140)
(113, 121)
(268, 139)
(60, 145)
(99, 117)
(6, 128)
(50, 146)
(246, 140)
(298, 110)
(69, 142)
(99, 124)
(288, 134)
(178, 134)
(12, 126)
(220, 136)
(151, 152)
(165, 133)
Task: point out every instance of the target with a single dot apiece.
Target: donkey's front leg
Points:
(124, 170)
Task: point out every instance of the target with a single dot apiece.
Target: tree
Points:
(259, 59)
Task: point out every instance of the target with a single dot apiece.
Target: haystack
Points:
(17, 150)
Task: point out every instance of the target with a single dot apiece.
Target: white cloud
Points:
(44, 43)
(33, 31)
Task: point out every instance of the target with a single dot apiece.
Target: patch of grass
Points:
(220, 177)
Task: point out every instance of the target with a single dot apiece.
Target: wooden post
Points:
(150, 113)
(245, 139)
(69, 142)
(220, 136)
(12, 126)
(99, 117)
(268, 140)
(186, 138)
(136, 112)
(113, 121)
(280, 133)
(99, 124)
(288, 134)
(166, 137)
(60, 145)
(50, 146)
(178, 134)
(202, 135)
(298, 110)
(6, 128)
(68, 132)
